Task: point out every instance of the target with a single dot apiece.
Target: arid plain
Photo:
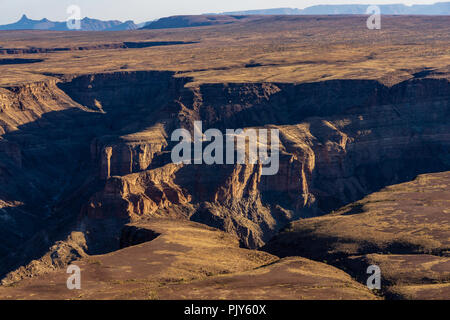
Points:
(86, 176)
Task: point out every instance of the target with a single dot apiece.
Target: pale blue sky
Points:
(144, 10)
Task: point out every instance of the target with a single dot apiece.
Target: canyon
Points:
(86, 173)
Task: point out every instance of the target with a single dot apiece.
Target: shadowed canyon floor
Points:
(85, 126)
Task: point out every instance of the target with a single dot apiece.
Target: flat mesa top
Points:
(294, 49)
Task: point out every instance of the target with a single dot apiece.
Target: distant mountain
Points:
(440, 8)
(275, 11)
(191, 21)
(87, 24)
(127, 25)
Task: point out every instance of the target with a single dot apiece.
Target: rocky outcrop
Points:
(135, 195)
(59, 255)
(132, 153)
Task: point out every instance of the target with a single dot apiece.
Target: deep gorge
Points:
(90, 153)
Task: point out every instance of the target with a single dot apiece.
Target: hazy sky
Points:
(144, 10)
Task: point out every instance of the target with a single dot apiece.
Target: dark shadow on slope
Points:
(132, 236)
(149, 44)
(19, 61)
